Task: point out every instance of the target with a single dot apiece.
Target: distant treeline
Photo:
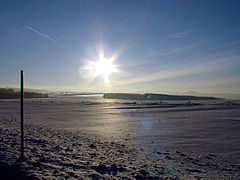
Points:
(153, 97)
(76, 94)
(121, 96)
(6, 93)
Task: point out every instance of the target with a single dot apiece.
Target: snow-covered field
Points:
(80, 138)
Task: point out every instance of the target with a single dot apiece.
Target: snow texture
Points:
(75, 139)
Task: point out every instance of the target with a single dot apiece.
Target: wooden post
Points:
(22, 111)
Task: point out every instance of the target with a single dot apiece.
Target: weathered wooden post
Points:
(22, 117)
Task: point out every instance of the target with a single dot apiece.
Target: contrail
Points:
(49, 38)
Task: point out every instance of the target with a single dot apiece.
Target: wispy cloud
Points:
(162, 52)
(216, 84)
(222, 46)
(193, 65)
(179, 35)
(173, 73)
(226, 81)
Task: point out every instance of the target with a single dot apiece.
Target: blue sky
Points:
(160, 46)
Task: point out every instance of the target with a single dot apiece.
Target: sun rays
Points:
(101, 67)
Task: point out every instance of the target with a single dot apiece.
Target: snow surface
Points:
(81, 138)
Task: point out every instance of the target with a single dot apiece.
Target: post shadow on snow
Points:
(15, 171)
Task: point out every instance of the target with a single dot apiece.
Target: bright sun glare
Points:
(103, 67)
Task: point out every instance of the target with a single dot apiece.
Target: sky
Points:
(155, 46)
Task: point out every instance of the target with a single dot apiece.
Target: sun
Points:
(103, 67)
